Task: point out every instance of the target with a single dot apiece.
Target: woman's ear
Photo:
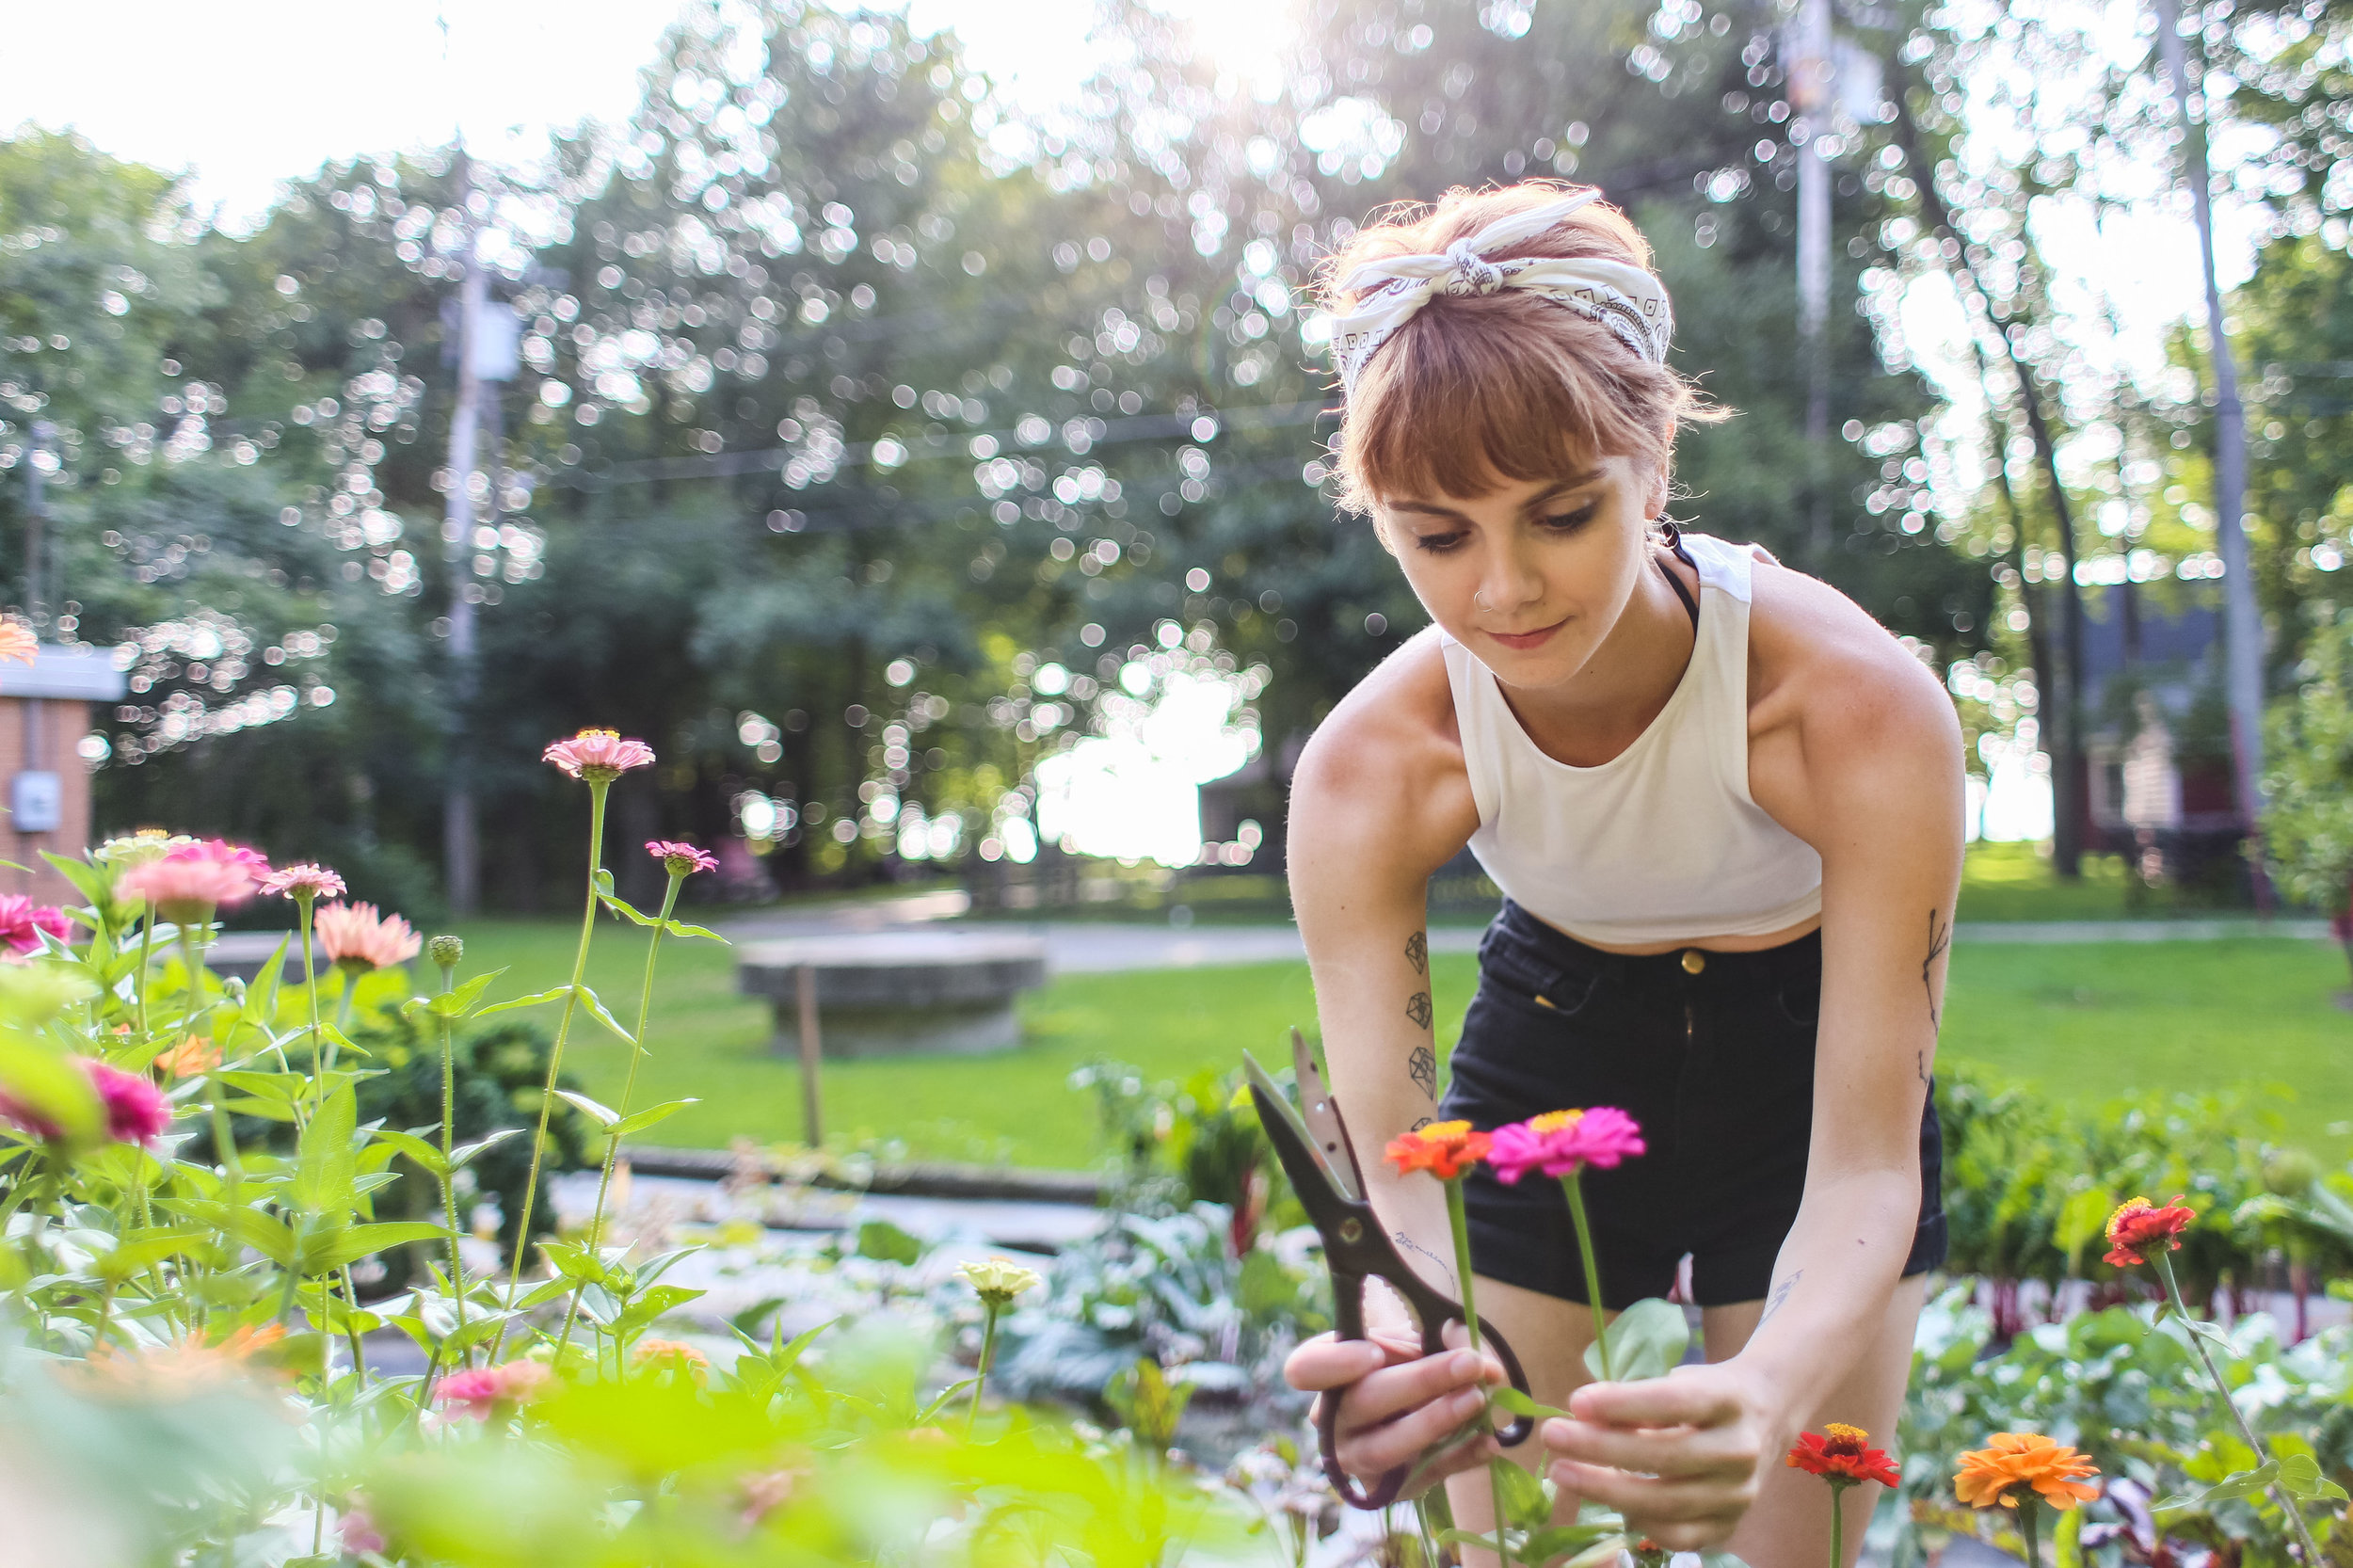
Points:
(1654, 501)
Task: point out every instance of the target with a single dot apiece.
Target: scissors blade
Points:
(1324, 1127)
(1294, 1144)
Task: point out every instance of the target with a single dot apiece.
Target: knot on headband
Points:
(1621, 296)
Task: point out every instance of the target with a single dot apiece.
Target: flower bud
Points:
(447, 950)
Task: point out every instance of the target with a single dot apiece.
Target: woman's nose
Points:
(1508, 583)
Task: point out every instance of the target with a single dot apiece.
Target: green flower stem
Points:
(192, 967)
(1838, 1520)
(2161, 1255)
(1459, 1224)
(351, 1325)
(1593, 1274)
(628, 1087)
(597, 788)
(303, 900)
(147, 955)
(2028, 1510)
(988, 1357)
(449, 1119)
(342, 1014)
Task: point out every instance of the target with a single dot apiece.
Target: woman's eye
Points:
(1568, 521)
(1438, 544)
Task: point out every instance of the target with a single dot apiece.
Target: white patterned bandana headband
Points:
(1621, 296)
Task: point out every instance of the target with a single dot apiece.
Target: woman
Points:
(1724, 807)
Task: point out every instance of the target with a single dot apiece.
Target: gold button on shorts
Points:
(1693, 960)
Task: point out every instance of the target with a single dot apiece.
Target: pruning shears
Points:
(1312, 1141)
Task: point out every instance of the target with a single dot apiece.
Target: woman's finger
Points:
(1697, 1400)
(1393, 1392)
(1325, 1361)
(1670, 1451)
(1652, 1506)
(1377, 1449)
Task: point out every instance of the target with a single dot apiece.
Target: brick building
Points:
(44, 717)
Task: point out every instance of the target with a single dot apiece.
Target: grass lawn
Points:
(2084, 1022)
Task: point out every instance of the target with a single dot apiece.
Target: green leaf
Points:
(453, 1004)
(680, 928)
(350, 1244)
(948, 1396)
(2238, 1485)
(1554, 1540)
(885, 1242)
(637, 1121)
(416, 1148)
(1526, 1500)
(326, 1165)
(536, 999)
(464, 1153)
(2300, 1474)
(2081, 1217)
(1645, 1341)
(602, 1116)
(1511, 1398)
(588, 1000)
(622, 906)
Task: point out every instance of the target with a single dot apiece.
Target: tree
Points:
(2308, 822)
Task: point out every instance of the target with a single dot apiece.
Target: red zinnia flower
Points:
(2139, 1226)
(1445, 1149)
(681, 860)
(1842, 1455)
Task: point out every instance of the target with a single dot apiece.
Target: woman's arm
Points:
(1874, 782)
(1379, 802)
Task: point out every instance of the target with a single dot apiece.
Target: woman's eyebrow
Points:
(1533, 505)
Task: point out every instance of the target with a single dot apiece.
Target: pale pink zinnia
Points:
(478, 1391)
(21, 921)
(1562, 1142)
(18, 642)
(193, 880)
(599, 755)
(681, 860)
(137, 1112)
(358, 938)
(305, 881)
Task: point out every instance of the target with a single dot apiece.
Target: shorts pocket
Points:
(1800, 997)
(1539, 990)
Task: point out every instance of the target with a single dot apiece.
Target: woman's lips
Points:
(1523, 640)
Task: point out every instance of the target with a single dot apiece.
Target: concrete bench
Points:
(892, 991)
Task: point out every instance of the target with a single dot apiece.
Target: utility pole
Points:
(2242, 622)
(37, 461)
(1812, 97)
(462, 864)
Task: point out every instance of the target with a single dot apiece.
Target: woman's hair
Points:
(1478, 391)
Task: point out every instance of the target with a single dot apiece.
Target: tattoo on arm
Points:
(1417, 953)
(1781, 1295)
(1417, 1008)
(1938, 942)
(1422, 1066)
(1445, 1268)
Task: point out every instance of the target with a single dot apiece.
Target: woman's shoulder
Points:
(1388, 758)
(1817, 657)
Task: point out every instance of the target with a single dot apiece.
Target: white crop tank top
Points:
(1662, 842)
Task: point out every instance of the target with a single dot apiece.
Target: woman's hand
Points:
(1397, 1403)
(1680, 1456)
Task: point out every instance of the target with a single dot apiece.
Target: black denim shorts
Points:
(1718, 1067)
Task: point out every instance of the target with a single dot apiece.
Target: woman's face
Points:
(1531, 577)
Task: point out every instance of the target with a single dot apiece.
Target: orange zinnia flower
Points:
(1842, 1455)
(2139, 1225)
(193, 1055)
(2013, 1459)
(1445, 1149)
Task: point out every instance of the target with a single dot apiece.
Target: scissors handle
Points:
(1434, 1310)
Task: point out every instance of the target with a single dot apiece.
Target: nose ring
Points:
(1479, 602)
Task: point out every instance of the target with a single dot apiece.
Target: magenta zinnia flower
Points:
(302, 882)
(193, 880)
(479, 1391)
(597, 756)
(21, 921)
(681, 860)
(137, 1112)
(1563, 1143)
(359, 938)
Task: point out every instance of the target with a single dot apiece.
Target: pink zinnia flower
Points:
(477, 1392)
(599, 755)
(193, 880)
(359, 938)
(681, 860)
(21, 921)
(137, 1112)
(1563, 1143)
(305, 881)
(357, 1528)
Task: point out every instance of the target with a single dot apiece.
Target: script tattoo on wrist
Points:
(1422, 1067)
(1417, 1008)
(1781, 1295)
(1417, 953)
(1411, 1245)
